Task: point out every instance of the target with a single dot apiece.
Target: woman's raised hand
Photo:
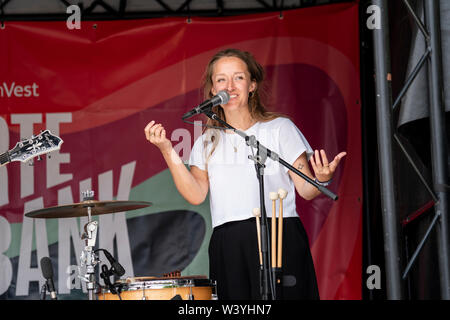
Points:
(323, 169)
(156, 134)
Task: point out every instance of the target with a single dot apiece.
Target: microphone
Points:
(115, 266)
(47, 272)
(221, 98)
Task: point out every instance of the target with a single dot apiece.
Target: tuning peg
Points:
(39, 158)
(21, 141)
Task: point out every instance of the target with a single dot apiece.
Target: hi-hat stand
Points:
(88, 257)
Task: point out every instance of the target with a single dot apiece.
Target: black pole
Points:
(438, 140)
(420, 246)
(266, 293)
(411, 78)
(385, 152)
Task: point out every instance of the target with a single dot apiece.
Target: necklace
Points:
(229, 135)
(229, 138)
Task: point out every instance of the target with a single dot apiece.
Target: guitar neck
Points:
(4, 158)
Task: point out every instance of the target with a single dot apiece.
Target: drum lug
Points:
(143, 293)
(191, 296)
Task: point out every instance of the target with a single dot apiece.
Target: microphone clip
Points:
(116, 267)
(114, 288)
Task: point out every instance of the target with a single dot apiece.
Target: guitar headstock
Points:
(40, 144)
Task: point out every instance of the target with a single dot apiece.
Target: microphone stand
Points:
(261, 156)
(44, 291)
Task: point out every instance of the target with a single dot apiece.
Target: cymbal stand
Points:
(89, 258)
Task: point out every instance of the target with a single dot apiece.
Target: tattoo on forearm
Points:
(300, 166)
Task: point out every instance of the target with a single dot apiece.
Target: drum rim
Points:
(157, 284)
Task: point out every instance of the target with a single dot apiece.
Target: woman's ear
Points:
(253, 86)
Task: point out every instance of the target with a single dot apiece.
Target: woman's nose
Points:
(230, 85)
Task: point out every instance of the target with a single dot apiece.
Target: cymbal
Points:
(80, 209)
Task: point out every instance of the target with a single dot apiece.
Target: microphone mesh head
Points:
(46, 267)
(224, 96)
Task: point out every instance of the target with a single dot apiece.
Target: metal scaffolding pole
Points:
(438, 140)
(385, 152)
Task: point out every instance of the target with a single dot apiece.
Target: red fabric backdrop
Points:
(98, 87)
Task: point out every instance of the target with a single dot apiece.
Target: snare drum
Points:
(153, 288)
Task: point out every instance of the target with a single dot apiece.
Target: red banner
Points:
(99, 86)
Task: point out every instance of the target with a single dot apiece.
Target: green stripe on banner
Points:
(161, 191)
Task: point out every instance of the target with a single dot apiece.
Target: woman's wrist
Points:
(171, 156)
(166, 151)
(323, 183)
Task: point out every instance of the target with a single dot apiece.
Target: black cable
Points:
(106, 275)
(205, 125)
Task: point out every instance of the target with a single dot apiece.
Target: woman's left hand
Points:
(323, 169)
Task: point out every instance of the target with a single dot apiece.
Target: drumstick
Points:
(274, 196)
(282, 194)
(257, 214)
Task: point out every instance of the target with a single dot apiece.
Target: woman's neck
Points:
(240, 120)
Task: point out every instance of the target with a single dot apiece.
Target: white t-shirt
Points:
(233, 184)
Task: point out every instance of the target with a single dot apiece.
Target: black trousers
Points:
(234, 261)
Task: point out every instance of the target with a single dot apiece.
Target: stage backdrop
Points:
(99, 86)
